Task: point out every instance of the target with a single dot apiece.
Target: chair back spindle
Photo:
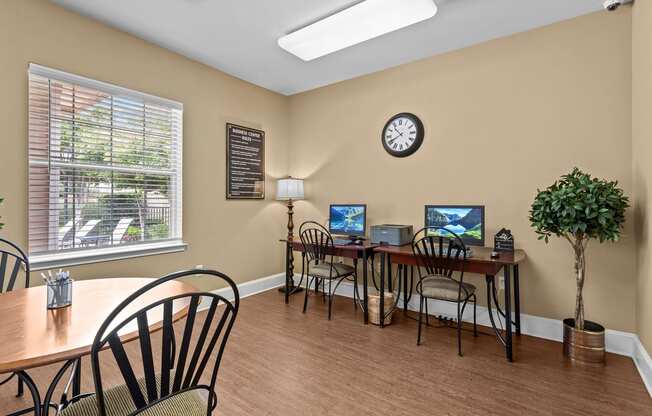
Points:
(12, 260)
(317, 242)
(439, 252)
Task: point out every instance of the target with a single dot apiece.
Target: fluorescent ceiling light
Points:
(363, 21)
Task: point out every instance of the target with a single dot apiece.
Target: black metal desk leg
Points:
(508, 314)
(390, 283)
(489, 280)
(356, 294)
(288, 261)
(405, 289)
(364, 286)
(381, 314)
(517, 301)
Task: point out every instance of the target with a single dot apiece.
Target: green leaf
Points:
(579, 204)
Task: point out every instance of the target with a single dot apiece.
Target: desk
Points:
(480, 263)
(352, 251)
(33, 336)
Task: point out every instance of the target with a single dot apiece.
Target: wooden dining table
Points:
(33, 336)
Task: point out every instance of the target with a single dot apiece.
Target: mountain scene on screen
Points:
(347, 219)
(465, 222)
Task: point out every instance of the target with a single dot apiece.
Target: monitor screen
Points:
(348, 219)
(467, 221)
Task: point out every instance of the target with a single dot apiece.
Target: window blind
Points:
(104, 165)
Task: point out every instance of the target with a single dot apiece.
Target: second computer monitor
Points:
(467, 221)
(348, 219)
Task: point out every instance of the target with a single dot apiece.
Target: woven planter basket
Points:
(374, 308)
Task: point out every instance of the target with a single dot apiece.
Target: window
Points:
(104, 171)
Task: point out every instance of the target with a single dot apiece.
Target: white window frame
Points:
(49, 260)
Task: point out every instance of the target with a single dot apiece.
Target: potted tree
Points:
(580, 208)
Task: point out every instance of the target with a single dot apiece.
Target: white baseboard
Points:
(617, 342)
(253, 287)
(643, 364)
(535, 326)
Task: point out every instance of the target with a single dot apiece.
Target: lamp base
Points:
(291, 289)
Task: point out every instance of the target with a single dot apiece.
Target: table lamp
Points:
(290, 189)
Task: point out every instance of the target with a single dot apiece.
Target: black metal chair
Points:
(318, 248)
(439, 253)
(172, 384)
(12, 260)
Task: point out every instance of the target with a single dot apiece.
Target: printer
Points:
(392, 234)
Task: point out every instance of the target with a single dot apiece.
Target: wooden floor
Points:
(282, 362)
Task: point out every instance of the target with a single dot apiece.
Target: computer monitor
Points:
(348, 219)
(467, 221)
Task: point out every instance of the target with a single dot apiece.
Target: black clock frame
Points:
(418, 141)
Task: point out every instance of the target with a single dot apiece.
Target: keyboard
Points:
(341, 241)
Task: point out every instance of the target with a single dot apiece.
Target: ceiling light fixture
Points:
(360, 22)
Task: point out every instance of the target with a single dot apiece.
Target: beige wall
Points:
(642, 168)
(502, 119)
(225, 235)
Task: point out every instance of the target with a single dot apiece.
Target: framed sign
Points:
(245, 162)
(504, 240)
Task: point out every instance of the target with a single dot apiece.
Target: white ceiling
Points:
(239, 36)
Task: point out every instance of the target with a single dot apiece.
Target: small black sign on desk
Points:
(245, 162)
(504, 240)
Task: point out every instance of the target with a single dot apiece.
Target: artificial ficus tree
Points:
(579, 208)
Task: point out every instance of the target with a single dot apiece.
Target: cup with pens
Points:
(59, 288)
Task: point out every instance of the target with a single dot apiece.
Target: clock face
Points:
(402, 135)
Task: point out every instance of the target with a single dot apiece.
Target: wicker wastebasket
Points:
(374, 308)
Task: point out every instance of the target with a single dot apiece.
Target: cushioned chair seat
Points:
(437, 287)
(323, 270)
(118, 403)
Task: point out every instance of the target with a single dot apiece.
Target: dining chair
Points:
(319, 248)
(440, 253)
(159, 378)
(12, 260)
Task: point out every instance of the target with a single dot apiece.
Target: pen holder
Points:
(59, 293)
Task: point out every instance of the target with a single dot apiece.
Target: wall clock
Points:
(402, 135)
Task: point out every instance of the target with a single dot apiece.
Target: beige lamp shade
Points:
(289, 188)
